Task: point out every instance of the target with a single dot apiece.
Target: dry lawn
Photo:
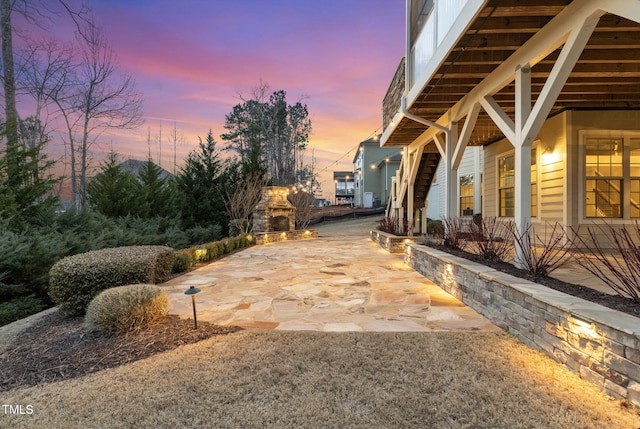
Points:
(304, 379)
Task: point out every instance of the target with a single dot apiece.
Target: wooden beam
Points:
(501, 119)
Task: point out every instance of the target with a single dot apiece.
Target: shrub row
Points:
(27, 256)
(187, 258)
(75, 280)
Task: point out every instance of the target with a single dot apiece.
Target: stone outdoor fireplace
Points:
(274, 212)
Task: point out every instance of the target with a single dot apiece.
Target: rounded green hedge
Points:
(125, 308)
(75, 280)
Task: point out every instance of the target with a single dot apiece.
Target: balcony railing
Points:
(393, 97)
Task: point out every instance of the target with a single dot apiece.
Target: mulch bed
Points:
(60, 348)
(615, 302)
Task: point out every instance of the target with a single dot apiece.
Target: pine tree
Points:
(201, 182)
(26, 195)
(159, 196)
(113, 192)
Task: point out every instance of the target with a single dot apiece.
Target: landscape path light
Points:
(193, 291)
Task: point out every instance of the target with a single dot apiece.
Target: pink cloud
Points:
(192, 59)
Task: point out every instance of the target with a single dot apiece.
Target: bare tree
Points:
(44, 69)
(9, 83)
(303, 202)
(96, 98)
(35, 12)
(241, 201)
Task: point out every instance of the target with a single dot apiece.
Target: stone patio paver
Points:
(331, 283)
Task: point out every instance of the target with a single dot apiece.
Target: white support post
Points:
(404, 185)
(477, 181)
(450, 173)
(522, 158)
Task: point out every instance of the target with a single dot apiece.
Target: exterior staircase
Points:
(424, 177)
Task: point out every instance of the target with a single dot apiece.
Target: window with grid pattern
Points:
(506, 185)
(466, 195)
(604, 171)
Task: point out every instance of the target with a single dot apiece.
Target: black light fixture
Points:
(193, 291)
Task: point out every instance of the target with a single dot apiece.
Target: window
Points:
(634, 179)
(466, 195)
(506, 175)
(506, 185)
(534, 184)
(612, 168)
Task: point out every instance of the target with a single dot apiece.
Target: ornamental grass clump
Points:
(75, 280)
(126, 308)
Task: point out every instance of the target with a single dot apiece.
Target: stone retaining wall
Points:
(600, 344)
(389, 242)
(274, 237)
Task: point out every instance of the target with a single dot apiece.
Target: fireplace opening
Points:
(279, 223)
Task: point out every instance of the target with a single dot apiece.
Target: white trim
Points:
(625, 8)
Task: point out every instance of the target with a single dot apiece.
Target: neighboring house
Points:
(344, 186)
(549, 90)
(373, 168)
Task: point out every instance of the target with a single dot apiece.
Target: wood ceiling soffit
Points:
(607, 74)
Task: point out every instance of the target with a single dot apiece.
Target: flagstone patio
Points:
(338, 282)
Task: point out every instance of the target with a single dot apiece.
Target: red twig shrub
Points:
(619, 269)
(543, 256)
(491, 238)
(456, 231)
(395, 226)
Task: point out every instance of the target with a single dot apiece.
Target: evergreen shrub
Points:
(75, 280)
(183, 260)
(18, 308)
(186, 258)
(125, 308)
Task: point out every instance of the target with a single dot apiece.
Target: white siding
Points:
(435, 198)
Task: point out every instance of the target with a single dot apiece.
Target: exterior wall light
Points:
(193, 291)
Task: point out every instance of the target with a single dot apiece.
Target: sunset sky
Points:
(192, 59)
